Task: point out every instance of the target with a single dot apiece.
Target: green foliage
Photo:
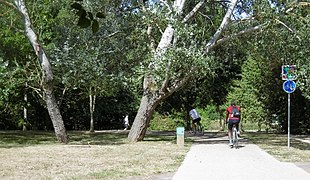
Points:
(87, 15)
(211, 112)
(166, 122)
(248, 93)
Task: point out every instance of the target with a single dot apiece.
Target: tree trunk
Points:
(47, 79)
(92, 103)
(55, 116)
(142, 119)
(25, 111)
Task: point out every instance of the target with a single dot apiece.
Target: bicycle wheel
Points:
(235, 137)
(200, 130)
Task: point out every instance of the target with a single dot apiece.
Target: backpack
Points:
(235, 112)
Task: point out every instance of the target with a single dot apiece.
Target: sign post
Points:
(289, 74)
(288, 120)
(180, 136)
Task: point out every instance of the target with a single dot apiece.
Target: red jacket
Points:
(229, 113)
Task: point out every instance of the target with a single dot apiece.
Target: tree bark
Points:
(25, 111)
(142, 119)
(47, 79)
(92, 103)
(53, 110)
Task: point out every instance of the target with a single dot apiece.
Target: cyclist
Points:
(232, 117)
(195, 117)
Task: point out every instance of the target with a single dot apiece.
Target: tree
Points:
(249, 91)
(95, 62)
(176, 71)
(47, 74)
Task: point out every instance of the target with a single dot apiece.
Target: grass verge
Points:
(276, 145)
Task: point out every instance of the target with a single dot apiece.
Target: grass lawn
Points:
(100, 155)
(108, 155)
(276, 145)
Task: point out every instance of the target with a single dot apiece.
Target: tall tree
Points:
(47, 79)
(157, 89)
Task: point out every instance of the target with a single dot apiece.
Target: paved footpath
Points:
(216, 161)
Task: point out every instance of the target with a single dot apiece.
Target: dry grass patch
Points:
(109, 159)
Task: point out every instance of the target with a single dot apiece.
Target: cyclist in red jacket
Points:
(233, 116)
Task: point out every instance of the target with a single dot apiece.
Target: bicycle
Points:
(235, 137)
(198, 129)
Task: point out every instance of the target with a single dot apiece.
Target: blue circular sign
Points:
(289, 86)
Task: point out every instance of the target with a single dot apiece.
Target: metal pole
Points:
(288, 121)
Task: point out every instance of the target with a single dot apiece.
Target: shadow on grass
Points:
(13, 139)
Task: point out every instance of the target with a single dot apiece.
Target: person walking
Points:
(126, 122)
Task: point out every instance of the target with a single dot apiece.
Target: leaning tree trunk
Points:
(151, 97)
(143, 117)
(47, 79)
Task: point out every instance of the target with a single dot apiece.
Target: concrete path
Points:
(217, 161)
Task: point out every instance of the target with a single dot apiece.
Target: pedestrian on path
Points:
(126, 122)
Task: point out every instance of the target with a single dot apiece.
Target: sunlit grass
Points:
(99, 155)
(277, 146)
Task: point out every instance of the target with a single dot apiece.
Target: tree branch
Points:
(110, 35)
(282, 23)
(152, 41)
(193, 11)
(166, 4)
(222, 27)
(37, 90)
(167, 77)
(246, 31)
(178, 6)
(179, 84)
(8, 4)
(298, 3)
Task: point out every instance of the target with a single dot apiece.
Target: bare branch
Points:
(246, 31)
(62, 97)
(110, 35)
(299, 3)
(37, 90)
(284, 25)
(167, 77)
(152, 41)
(8, 4)
(165, 40)
(222, 27)
(166, 4)
(244, 20)
(290, 29)
(193, 11)
(178, 6)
